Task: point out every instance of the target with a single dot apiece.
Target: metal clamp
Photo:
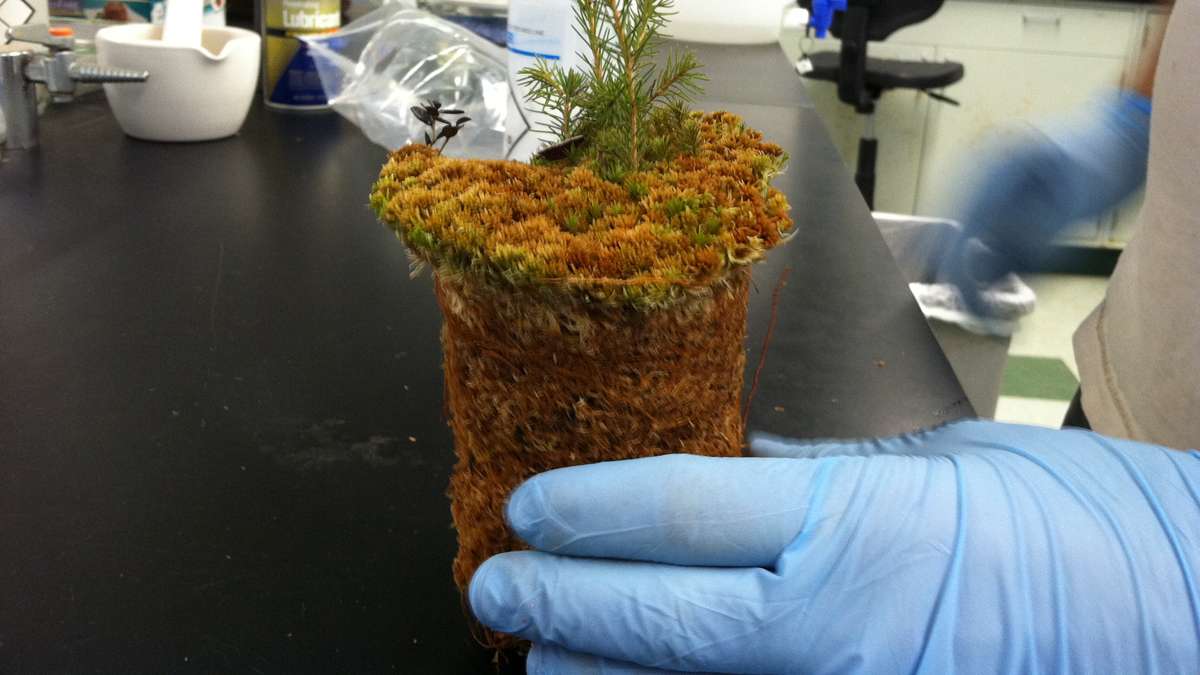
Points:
(21, 71)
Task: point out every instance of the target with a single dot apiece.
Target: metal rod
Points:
(97, 74)
(18, 100)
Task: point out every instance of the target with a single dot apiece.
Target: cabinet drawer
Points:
(1023, 26)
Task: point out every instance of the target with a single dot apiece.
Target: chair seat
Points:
(883, 74)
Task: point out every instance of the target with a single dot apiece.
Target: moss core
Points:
(668, 230)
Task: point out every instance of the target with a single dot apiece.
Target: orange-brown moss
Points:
(533, 386)
(667, 230)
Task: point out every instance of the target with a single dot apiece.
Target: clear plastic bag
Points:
(377, 67)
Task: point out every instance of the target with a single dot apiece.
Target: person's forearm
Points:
(1031, 184)
(1143, 78)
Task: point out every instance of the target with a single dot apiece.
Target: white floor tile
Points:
(1063, 302)
(1035, 411)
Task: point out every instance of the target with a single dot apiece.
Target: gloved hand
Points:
(977, 547)
(1025, 188)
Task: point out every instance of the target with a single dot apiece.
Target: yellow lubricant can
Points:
(289, 76)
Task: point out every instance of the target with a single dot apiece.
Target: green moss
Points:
(421, 240)
(594, 212)
(573, 223)
(517, 265)
(637, 189)
(675, 206)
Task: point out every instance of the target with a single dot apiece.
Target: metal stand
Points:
(852, 89)
(21, 71)
(868, 147)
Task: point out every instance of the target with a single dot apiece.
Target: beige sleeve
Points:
(1139, 352)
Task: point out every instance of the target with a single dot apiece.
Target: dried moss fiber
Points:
(533, 386)
(658, 237)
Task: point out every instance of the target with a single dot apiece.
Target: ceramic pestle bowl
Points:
(193, 94)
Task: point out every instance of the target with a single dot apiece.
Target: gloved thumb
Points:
(675, 509)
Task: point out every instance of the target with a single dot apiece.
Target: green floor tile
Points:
(1038, 377)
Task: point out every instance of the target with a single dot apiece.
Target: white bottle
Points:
(744, 22)
(536, 29)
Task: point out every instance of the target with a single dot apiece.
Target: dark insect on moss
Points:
(431, 114)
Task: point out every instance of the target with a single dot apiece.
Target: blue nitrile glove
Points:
(977, 547)
(1025, 189)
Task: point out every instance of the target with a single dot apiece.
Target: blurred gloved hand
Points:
(1027, 186)
(977, 547)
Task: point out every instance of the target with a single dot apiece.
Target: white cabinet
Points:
(1015, 26)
